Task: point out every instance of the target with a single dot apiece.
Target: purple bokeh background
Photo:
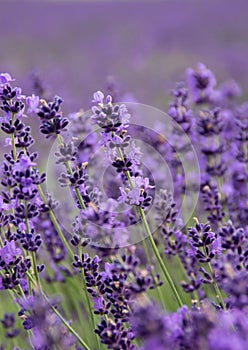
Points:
(145, 46)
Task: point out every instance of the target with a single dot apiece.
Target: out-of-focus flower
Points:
(33, 104)
(201, 83)
(5, 78)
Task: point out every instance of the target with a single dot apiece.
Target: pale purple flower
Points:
(107, 273)
(137, 194)
(109, 99)
(96, 259)
(191, 250)
(216, 246)
(98, 97)
(141, 182)
(9, 252)
(124, 115)
(134, 196)
(24, 163)
(200, 83)
(33, 104)
(7, 142)
(22, 226)
(7, 206)
(123, 196)
(98, 302)
(5, 117)
(19, 95)
(5, 78)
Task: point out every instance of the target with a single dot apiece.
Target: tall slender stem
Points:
(148, 259)
(160, 260)
(56, 224)
(216, 288)
(153, 245)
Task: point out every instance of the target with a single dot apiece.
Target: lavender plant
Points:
(131, 268)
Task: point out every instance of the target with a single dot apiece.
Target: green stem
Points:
(36, 273)
(215, 284)
(77, 304)
(56, 224)
(160, 260)
(153, 245)
(148, 259)
(217, 289)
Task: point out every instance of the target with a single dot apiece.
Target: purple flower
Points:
(9, 252)
(98, 97)
(109, 99)
(138, 194)
(216, 246)
(33, 104)
(133, 196)
(5, 78)
(108, 271)
(24, 163)
(200, 83)
(7, 142)
(98, 302)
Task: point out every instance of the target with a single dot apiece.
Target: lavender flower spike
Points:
(200, 83)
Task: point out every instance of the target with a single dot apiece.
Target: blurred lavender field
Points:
(75, 47)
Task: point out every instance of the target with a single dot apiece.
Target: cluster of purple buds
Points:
(204, 244)
(201, 83)
(52, 122)
(179, 109)
(213, 204)
(8, 322)
(13, 264)
(138, 194)
(197, 252)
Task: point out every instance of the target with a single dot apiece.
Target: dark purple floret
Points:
(179, 109)
(30, 241)
(52, 122)
(115, 336)
(8, 323)
(210, 123)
